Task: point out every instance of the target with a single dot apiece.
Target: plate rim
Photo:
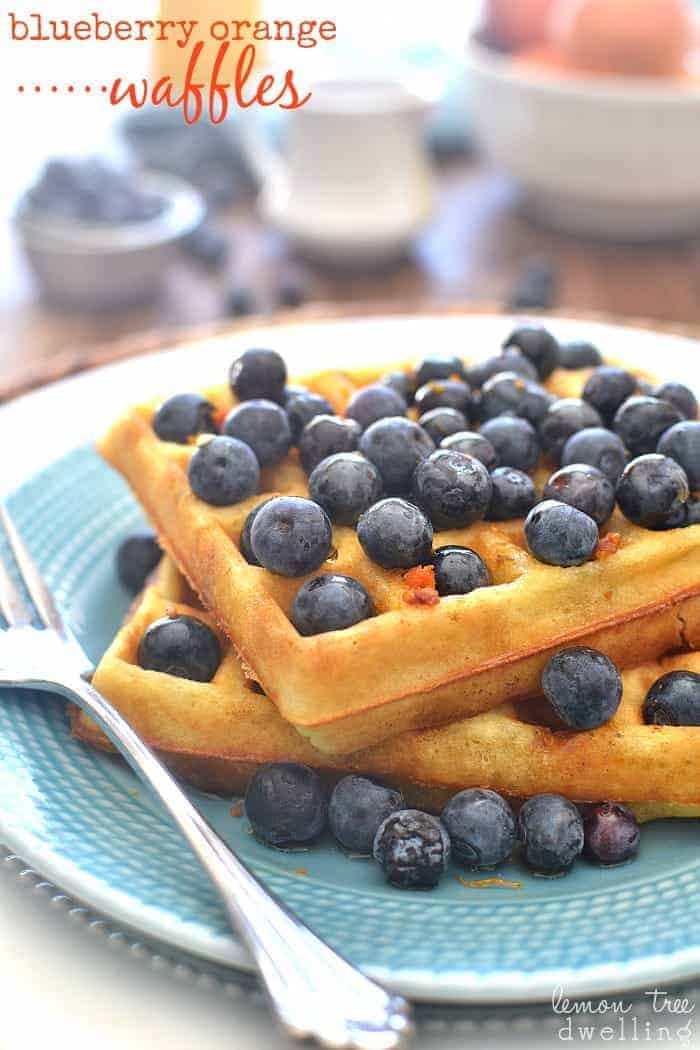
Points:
(465, 988)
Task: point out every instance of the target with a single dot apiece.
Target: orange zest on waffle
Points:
(607, 545)
(419, 586)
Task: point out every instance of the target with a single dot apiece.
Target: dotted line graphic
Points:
(54, 89)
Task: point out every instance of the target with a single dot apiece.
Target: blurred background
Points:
(522, 154)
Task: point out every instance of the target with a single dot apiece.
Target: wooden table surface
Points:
(471, 252)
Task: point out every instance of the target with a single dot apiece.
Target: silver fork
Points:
(313, 991)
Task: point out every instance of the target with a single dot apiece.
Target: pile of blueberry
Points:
(92, 190)
(397, 480)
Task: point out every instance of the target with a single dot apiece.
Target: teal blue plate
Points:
(84, 821)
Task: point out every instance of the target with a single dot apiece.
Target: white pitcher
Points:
(354, 183)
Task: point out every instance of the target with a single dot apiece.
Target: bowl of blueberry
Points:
(100, 236)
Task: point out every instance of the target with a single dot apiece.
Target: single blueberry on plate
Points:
(357, 807)
(439, 366)
(599, 448)
(513, 494)
(578, 355)
(680, 396)
(258, 373)
(182, 646)
(681, 442)
(611, 833)
(374, 402)
(345, 485)
(606, 388)
(244, 541)
(137, 557)
(286, 804)
(510, 360)
(182, 417)
(396, 446)
(538, 345)
(454, 490)
(674, 700)
(223, 471)
(564, 418)
(323, 436)
(515, 441)
(291, 536)
(481, 827)
(583, 686)
(459, 570)
(330, 603)
(585, 488)
(441, 423)
(412, 848)
(396, 534)
(264, 426)
(550, 829)
(508, 394)
(302, 407)
(653, 491)
(558, 534)
(640, 422)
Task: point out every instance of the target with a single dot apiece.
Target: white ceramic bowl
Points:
(608, 157)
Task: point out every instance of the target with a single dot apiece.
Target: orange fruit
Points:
(516, 24)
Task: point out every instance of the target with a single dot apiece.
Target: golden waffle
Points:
(216, 734)
(412, 665)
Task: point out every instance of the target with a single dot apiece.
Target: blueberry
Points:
(412, 848)
(579, 355)
(652, 491)
(443, 393)
(262, 425)
(515, 441)
(324, 436)
(396, 446)
(692, 511)
(551, 831)
(454, 490)
(286, 804)
(681, 442)
(472, 444)
(291, 536)
(182, 417)
(244, 541)
(481, 827)
(674, 700)
(224, 471)
(330, 603)
(507, 393)
(401, 383)
(679, 396)
(459, 570)
(558, 534)
(294, 390)
(607, 388)
(598, 448)
(439, 366)
(302, 407)
(535, 286)
(258, 373)
(240, 302)
(611, 833)
(513, 494)
(395, 534)
(585, 488)
(356, 809)
(510, 360)
(181, 646)
(440, 423)
(208, 246)
(564, 418)
(640, 422)
(137, 557)
(345, 485)
(538, 345)
(292, 293)
(583, 686)
(374, 402)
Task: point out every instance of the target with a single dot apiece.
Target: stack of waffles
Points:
(431, 696)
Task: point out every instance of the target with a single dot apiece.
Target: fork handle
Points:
(313, 991)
